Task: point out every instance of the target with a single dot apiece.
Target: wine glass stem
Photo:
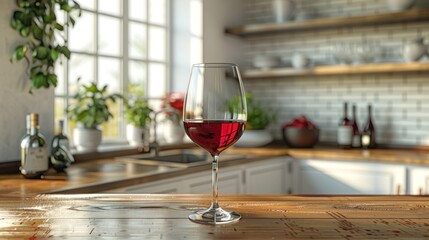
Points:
(215, 170)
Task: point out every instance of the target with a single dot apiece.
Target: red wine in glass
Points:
(214, 117)
(214, 135)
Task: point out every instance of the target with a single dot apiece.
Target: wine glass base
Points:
(214, 216)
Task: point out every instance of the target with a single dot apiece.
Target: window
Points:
(116, 42)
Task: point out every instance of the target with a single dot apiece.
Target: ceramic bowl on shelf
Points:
(265, 61)
(300, 137)
(399, 5)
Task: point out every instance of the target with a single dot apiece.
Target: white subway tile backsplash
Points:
(400, 101)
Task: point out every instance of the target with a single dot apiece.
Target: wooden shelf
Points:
(413, 15)
(339, 70)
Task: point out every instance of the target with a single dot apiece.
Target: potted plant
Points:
(258, 119)
(89, 111)
(37, 23)
(137, 115)
(173, 131)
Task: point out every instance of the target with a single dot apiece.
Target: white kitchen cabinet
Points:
(418, 178)
(229, 182)
(163, 186)
(262, 177)
(268, 177)
(347, 177)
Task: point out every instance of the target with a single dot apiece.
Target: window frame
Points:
(124, 58)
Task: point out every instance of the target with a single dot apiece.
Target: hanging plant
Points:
(36, 21)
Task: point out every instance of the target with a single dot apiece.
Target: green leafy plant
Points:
(37, 22)
(137, 110)
(258, 118)
(90, 108)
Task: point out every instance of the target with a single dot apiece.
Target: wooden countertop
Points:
(106, 174)
(152, 216)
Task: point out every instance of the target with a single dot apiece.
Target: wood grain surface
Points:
(338, 70)
(413, 15)
(87, 216)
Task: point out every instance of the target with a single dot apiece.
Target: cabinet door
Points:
(229, 182)
(347, 177)
(267, 177)
(169, 186)
(419, 180)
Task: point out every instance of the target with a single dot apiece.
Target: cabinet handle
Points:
(398, 189)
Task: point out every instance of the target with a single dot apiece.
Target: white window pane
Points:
(157, 44)
(157, 80)
(157, 12)
(137, 40)
(81, 37)
(137, 73)
(80, 66)
(196, 21)
(196, 50)
(137, 10)
(109, 36)
(110, 6)
(59, 71)
(88, 4)
(109, 73)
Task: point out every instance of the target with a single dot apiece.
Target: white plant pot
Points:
(254, 138)
(137, 136)
(86, 140)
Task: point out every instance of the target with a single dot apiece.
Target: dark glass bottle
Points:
(34, 150)
(356, 140)
(345, 131)
(61, 157)
(368, 133)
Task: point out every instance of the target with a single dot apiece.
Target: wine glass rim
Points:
(215, 65)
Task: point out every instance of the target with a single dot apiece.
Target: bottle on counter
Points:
(368, 133)
(356, 140)
(345, 131)
(61, 157)
(34, 151)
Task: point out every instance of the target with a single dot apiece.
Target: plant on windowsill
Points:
(89, 110)
(173, 130)
(258, 119)
(137, 115)
(38, 25)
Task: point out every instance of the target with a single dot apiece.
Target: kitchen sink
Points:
(180, 158)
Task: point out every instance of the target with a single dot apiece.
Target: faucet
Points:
(154, 144)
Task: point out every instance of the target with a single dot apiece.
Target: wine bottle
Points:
(356, 135)
(61, 157)
(345, 131)
(34, 151)
(368, 133)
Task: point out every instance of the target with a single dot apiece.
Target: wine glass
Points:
(214, 117)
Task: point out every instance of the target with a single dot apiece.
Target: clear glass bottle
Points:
(34, 151)
(345, 131)
(61, 157)
(368, 133)
(356, 135)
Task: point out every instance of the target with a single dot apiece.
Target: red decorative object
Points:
(175, 100)
(300, 122)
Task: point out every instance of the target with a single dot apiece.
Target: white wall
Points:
(15, 101)
(218, 46)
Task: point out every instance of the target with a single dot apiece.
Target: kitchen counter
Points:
(152, 216)
(106, 174)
